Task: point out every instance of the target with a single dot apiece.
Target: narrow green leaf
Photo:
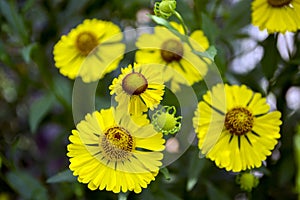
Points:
(166, 173)
(28, 5)
(26, 185)
(123, 196)
(63, 88)
(210, 28)
(195, 167)
(214, 193)
(271, 58)
(4, 56)
(239, 17)
(165, 23)
(39, 109)
(212, 52)
(14, 19)
(64, 176)
(26, 52)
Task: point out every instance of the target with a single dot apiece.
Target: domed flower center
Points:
(247, 181)
(134, 83)
(164, 120)
(171, 50)
(86, 42)
(239, 121)
(279, 3)
(117, 143)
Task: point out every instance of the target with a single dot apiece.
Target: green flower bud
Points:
(165, 121)
(247, 181)
(165, 8)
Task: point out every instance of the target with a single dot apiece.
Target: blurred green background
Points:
(36, 101)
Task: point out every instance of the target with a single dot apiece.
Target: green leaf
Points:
(15, 20)
(63, 89)
(26, 185)
(26, 52)
(210, 28)
(271, 57)
(4, 56)
(214, 193)
(39, 109)
(123, 196)
(165, 23)
(212, 51)
(165, 172)
(195, 167)
(64, 176)
(239, 17)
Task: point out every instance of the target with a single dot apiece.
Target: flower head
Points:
(180, 65)
(276, 15)
(138, 88)
(165, 8)
(249, 132)
(247, 181)
(90, 50)
(114, 152)
(165, 121)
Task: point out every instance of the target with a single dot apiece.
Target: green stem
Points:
(178, 16)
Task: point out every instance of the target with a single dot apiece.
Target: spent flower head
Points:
(247, 181)
(165, 8)
(165, 121)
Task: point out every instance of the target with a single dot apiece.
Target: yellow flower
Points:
(180, 64)
(138, 88)
(276, 15)
(248, 130)
(111, 151)
(90, 50)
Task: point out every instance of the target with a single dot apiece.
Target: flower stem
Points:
(178, 16)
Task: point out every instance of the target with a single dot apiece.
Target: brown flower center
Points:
(239, 121)
(134, 83)
(279, 3)
(171, 50)
(117, 143)
(86, 42)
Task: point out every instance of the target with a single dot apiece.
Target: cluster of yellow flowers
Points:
(119, 149)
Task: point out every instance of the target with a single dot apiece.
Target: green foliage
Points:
(39, 109)
(271, 58)
(64, 176)
(210, 28)
(27, 186)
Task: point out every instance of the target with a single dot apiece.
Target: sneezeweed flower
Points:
(165, 121)
(90, 50)
(276, 15)
(249, 132)
(247, 181)
(138, 88)
(113, 152)
(165, 8)
(180, 64)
